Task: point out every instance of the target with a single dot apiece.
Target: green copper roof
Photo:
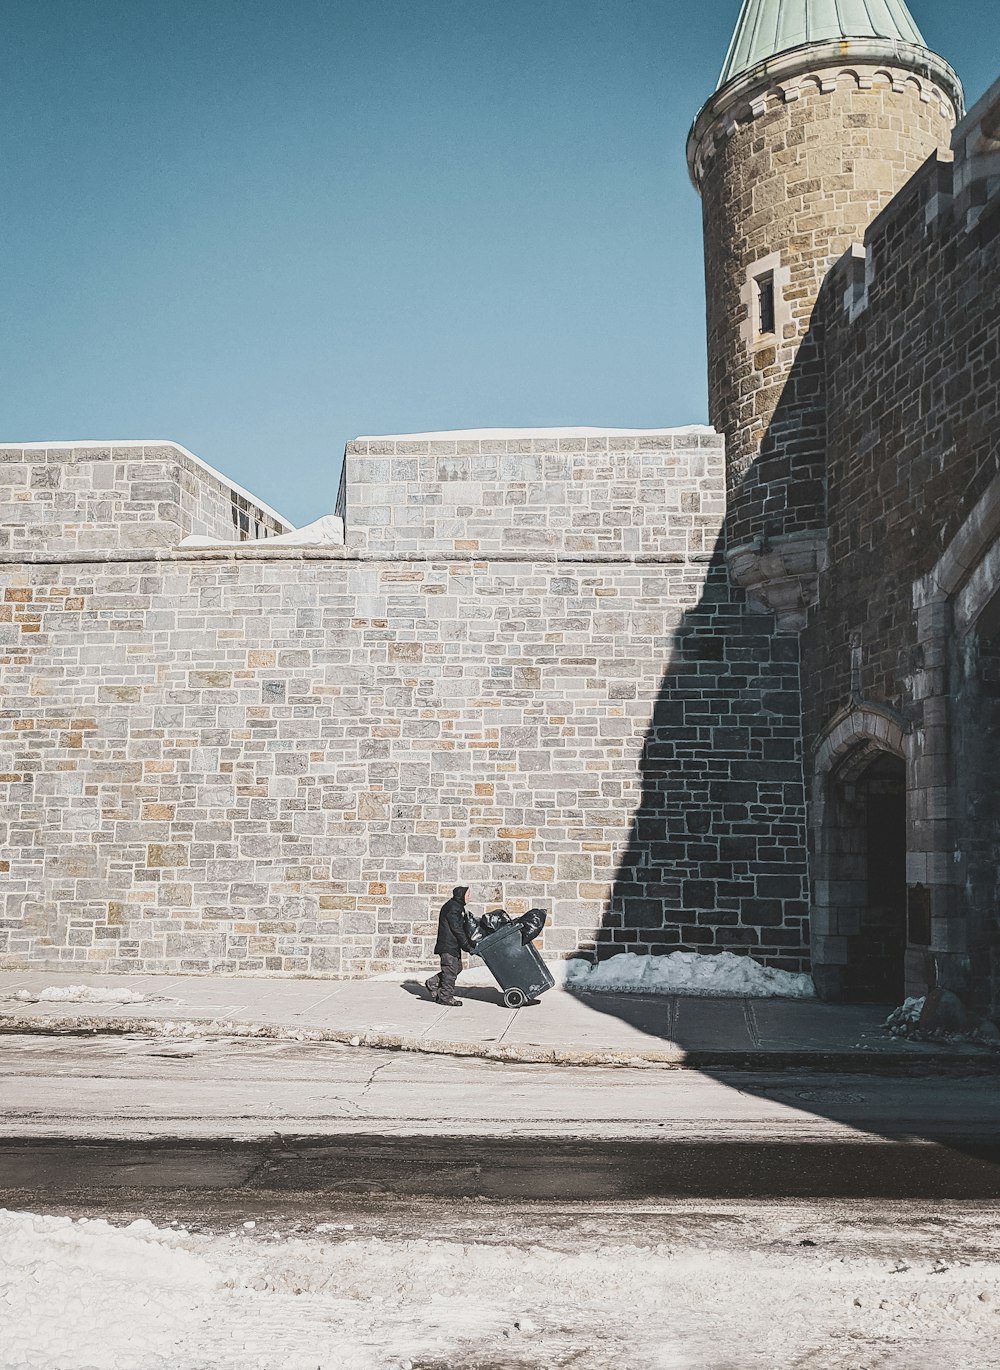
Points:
(767, 27)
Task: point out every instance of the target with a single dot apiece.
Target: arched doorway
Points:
(859, 827)
(875, 971)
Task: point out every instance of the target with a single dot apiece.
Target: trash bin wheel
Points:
(514, 998)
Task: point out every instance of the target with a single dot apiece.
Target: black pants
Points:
(442, 985)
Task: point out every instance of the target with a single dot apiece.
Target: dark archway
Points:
(861, 884)
(877, 973)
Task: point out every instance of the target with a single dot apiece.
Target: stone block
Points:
(161, 855)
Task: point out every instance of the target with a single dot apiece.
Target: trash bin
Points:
(515, 965)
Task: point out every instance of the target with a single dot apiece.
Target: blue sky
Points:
(262, 227)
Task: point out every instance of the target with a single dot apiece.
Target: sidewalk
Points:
(562, 1028)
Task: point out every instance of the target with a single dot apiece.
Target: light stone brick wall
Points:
(653, 493)
(280, 760)
(87, 497)
(287, 766)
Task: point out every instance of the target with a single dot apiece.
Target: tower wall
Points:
(790, 177)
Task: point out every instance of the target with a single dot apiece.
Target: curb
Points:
(915, 1060)
(962, 1166)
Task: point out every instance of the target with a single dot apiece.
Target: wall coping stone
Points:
(263, 552)
(110, 448)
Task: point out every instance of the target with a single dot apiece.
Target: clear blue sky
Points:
(262, 227)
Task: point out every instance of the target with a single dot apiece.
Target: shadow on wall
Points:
(716, 859)
(717, 855)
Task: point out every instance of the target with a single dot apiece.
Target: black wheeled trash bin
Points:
(515, 965)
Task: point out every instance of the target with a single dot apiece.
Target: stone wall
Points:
(620, 491)
(280, 760)
(914, 430)
(912, 333)
(791, 174)
(86, 496)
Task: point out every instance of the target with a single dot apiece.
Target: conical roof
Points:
(767, 27)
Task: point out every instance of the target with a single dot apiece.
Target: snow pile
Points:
(687, 972)
(903, 1021)
(327, 531)
(945, 1019)
(82, 1293)
(680, 972)
(79, 994)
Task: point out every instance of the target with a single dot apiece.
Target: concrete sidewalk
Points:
(561, 1028)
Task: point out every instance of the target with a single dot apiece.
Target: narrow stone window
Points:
(763, 298)
(765, 304)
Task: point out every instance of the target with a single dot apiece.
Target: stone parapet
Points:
(785, 76)
(87, 496)
(543, 491)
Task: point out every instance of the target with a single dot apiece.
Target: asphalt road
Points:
(132, 1115)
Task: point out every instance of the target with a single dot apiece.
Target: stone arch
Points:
(851, 76)
(858, 825)
(865, 728)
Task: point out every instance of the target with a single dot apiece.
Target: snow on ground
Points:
(687, 972)
(905, 1021)
(680, 972)
(87, 1295)
(80, 994)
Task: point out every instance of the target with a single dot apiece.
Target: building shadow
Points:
(717, 854)
(716, 858)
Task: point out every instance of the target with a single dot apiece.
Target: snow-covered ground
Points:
(798, 1291)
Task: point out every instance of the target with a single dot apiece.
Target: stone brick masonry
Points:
(789, 180)
(912, 326)
(280, 759)
(80, 496)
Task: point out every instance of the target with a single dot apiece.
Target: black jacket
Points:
(454, 926)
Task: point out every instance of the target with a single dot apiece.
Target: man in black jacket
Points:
(454, 937)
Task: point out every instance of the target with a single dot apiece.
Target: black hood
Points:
(459, 893)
